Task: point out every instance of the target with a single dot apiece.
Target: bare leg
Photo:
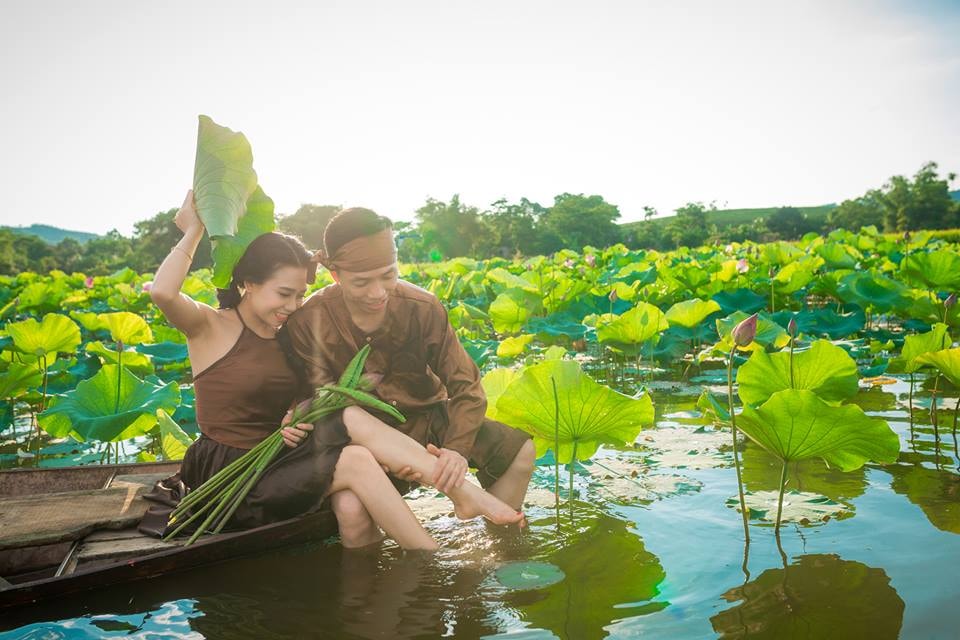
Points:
(397, 450)
(358, 471)
(357, 528)
(511, 487)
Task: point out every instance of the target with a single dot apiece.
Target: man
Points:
(419, 363)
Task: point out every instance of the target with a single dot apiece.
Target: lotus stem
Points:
(736, 455)
(116, 404)
(556, 448)
(573, 462)
(935, 421)
(956, 410)
(783, 485)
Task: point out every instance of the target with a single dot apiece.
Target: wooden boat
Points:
(74, 529)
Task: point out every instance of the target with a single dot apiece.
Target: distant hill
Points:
(53, 235)
(731, 217)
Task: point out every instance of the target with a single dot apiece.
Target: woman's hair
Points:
(263, 257)
(351, 224)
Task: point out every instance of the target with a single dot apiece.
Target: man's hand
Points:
(451, 469)
(294, 435)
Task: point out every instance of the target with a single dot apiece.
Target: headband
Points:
(365, 253)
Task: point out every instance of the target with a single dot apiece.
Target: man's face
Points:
(367, 292)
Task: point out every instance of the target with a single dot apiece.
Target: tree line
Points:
(447, 229)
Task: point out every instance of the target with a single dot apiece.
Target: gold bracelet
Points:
(185, 252)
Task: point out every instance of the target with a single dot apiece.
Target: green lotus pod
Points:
(589, 413)
(824, 368)
(223, 177)
(226, 251)
(56, 333)
(125, 327)
(96, 411)
(690, 313)
(946, 361)
(795, 424)
(643, 323)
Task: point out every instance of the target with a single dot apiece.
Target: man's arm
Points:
(305, 340)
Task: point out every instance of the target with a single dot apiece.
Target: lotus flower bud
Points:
(728, 249)
(742, 265)
(792, 327)
(146, 286)
(951, 301)
(591, 260)
(88, 282)
(745, 332)
(613, 295)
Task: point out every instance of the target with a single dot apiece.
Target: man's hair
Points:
(350, 224)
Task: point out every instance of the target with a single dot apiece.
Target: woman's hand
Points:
(187, 219)
(294, 435)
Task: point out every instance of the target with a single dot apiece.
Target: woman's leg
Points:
(358, 471)
(397, 450)
(357, 528)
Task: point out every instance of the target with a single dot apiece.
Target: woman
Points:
(244, 384)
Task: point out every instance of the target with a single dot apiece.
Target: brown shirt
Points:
(416, 351)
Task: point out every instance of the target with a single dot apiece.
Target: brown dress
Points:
(241, 399)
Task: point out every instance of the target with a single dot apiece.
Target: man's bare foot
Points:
(477, 502)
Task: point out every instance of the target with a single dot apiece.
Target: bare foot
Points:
(470, 504)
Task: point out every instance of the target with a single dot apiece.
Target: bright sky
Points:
(383, 104)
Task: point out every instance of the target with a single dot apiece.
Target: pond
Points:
(650, 545)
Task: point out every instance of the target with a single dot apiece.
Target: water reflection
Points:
(819, 596)
(169, 620)
(936, 492)
(761, 472)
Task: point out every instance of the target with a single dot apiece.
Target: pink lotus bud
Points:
(591, 260)
(568, 263)
(951, 301)
(745, 332)
(146, 286)
(792, 327)
(529, 267)
(728, 249)
(88, 282)
(742, 265)
(613, 295)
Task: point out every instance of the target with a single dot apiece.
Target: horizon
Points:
(374, 104)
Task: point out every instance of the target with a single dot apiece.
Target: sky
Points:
(386, 104)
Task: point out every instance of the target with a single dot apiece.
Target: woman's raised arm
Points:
(182, 311)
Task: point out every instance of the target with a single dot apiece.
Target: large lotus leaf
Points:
(769, 333)
(819, 596)
(510, 311)
(946, 362)
(165, 353)
(917, 345)
(227, 250)
(136, 362)
(589, 412)
(507, 280)
(494, 384)
(56, 333)
(838, 255)
(88, 320)
(126, 327)
(691, 313)
(564, 291)
(514, 345)
(480, 350)
(640, 324)
(874, 290)
(794, 276)
(223, 177)
(780, 253)
(743, 300)
(610, 575)
(828, 322)
(795, 424)
(938, 270)
(173, 440)
(555, 325)
(18, 378)
(95, 410)
(824, 368)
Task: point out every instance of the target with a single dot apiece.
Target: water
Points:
(658, 555)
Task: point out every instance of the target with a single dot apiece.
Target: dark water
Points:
(656, 554)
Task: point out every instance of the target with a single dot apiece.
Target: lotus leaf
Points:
(824, 368)
(564, 291)
(528, 575)
(227, 250)
(558, 324)
(480, 350)
(691, 313)
(642, 323)
(873, 290)
(915, 346)
(88, 320)
(95, 411)
(509, 311)
(946, 362)
(769, 333)
(126, 327)
(624, 291)
(795, 424)
(56, 333)
(494, 384)
(173, 441)
(794, 276)
(589, 413)
(164, 353)
(837, 255)
(830, 323)
(223, 177)
(935, 491)
(136, 362)
(507, 281)
(938, 270)
(18, 378)
(514, 346)
(554, 352)
(802, 507)
(743, 300)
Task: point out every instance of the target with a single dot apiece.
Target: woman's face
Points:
(273, 300)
